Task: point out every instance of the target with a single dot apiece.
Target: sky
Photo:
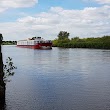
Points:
(22, 19)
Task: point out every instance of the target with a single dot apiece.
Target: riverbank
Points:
(96, 43)
(9, 42)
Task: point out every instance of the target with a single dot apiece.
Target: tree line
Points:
(9, 42)
(63, 40)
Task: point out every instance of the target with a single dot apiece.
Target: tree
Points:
(2, 84)
(63, 35)
(5, 72)
(8, 69)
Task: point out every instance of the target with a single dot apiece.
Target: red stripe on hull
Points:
(39, 46)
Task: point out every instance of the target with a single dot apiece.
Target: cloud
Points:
(6, 4)
(89, 22)
(2, 9)
(103, 1)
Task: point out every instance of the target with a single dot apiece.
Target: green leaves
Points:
(63, 35)
(8, 69)
(62, 39)
(76, 42)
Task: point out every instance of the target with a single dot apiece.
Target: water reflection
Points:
(63, 55)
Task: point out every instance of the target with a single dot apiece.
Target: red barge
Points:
(35, 43)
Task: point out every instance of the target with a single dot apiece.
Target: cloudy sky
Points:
(21, 19)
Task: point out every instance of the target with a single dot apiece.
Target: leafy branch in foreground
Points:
(8, 69)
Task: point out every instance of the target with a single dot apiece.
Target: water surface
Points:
(58, 79)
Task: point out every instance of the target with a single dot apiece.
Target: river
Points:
(58, 79)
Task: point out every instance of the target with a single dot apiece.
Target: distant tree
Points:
(63, 35)
(75, 39)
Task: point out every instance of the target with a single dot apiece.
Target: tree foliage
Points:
(9, 42)
(63, 35)
(8, 69)
(76, 42)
